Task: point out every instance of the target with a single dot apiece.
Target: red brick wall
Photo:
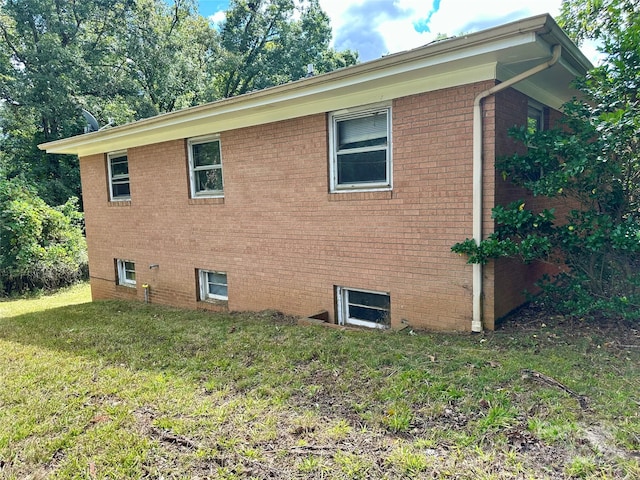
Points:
(283, 240)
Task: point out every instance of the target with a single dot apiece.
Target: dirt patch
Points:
(534, 317)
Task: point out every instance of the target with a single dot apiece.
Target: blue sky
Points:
(378, 27)
(211, 7)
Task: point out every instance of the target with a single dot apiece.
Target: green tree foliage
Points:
(57, 176)
(60, 53)
(124, 60)
(596, 19)
(168, 49)
(41, 247)
(593, 164)
(271, 42)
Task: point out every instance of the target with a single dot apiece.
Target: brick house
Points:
(342, 192)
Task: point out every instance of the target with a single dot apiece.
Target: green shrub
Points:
(592, 164)
(41, 247)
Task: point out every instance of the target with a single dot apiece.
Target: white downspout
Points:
(476, 324)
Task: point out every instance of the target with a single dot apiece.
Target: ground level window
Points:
(126, 273)
(213, 285)
(363, 307)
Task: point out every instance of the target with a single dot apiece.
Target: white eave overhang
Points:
(497, 53)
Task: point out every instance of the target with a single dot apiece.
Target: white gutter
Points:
(476, 323)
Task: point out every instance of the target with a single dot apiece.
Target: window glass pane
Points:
(206, 154)
(130, 271)
(368, 314)
(215, 284)
(363, 167)
(363, 131)
(219, 290)
(219, 278)
(126, 272)
(119, 176)
(208, 179)
(121, 190)
(534, 119)
(119, 167)
(369, 299)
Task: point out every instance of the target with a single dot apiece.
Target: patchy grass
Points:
(127, 390)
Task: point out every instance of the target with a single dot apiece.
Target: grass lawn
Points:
(126, 390)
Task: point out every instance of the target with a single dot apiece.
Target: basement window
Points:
(118, 176)
(126, 273)
(213, 285)
(360, 146)
(363, 308)
(205, 167)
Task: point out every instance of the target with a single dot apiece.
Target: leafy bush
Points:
(592, 165)
(41, 247)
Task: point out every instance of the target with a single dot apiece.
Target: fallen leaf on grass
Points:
(100, 419)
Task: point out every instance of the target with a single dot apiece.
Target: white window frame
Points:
(535, 110)
(118, 179)
(193, 169)
(349, 114)
(122, 273)
(342, 297)
(203, 278)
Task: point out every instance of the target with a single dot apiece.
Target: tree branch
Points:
(582, 400)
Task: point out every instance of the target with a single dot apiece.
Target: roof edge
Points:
(541, 26)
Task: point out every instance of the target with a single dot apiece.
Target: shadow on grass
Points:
(245, 350)
(151, 337)
(140, 336)
(249, 351)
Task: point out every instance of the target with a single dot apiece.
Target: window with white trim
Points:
(535, 117)
(360, 149)
(205, 167)
(213, 285)
(363, 308)
(118, 176)
(126, 273)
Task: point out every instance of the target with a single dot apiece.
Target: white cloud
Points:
(456, 16)
(217, 17)
(376, 27)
